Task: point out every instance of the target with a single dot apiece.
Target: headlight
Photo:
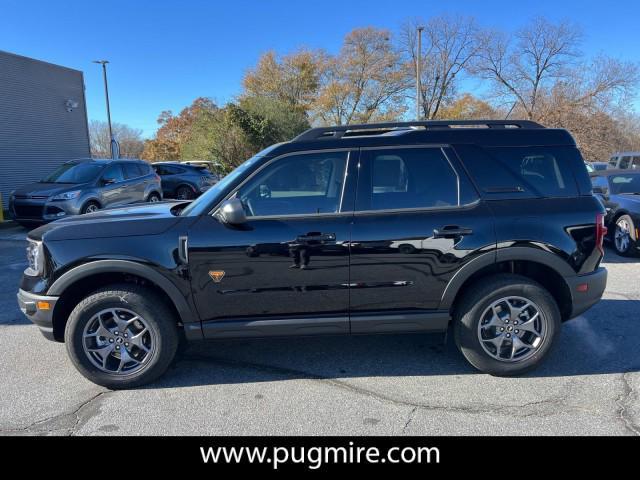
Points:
(35, 258)
(67, 195)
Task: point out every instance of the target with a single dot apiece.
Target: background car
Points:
(619, 191)
(84, 186)
(595, 166)
(184, 181)
(624, 160)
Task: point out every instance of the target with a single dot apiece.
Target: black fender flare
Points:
(125, 266)
(532, 254)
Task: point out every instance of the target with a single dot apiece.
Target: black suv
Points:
(487, 226)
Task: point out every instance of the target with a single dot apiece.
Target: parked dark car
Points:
(394, 227)
(184, 181)
(84, 186)
(620, 194)
(596, 166)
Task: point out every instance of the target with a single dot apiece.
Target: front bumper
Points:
(39, 211)
(33, 308)
(584, 298)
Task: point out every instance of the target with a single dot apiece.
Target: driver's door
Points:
(285, 271)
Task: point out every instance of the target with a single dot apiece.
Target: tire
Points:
(160, 339)
(90, 207)
(624, 236)
(185, 193)
(153, 197)
(475, 307)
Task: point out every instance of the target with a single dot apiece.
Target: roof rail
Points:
(340, 131)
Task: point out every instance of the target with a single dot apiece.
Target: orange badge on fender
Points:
(216, 275)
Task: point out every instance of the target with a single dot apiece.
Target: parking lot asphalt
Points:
(361, 385)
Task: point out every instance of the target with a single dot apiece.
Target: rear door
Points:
(417, 221)
(134, 190)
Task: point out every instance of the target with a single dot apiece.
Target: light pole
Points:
(418, 65)
(106, 94)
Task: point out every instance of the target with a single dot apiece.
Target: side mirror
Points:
(601, 190)
(232, 212)
(108, 181)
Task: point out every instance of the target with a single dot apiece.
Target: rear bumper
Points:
(596, 282)
(43, 318)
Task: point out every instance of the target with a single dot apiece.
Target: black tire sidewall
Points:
(157, 317)
(466, 324)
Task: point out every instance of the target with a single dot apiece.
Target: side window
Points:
(613, 161)
(543, 170)
(406, 178)
(635, 163)
(131, 170)
(624, 163)
(296, 185)
(113, 174)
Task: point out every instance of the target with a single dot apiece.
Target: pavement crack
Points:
(624, 401)
(409, 419)
(66, 422)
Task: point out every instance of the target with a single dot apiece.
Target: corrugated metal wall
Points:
(37, 133)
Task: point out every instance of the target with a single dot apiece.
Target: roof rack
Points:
(340, 131)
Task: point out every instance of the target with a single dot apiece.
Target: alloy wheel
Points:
(118, 341)
(622, 235)
(512, 329)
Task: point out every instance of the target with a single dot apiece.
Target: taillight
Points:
(601, 231)
(158, 177)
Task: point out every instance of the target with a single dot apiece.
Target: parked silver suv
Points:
(85, 186)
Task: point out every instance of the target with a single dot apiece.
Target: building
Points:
(43, 120)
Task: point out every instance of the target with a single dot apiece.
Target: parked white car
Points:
(625, 160)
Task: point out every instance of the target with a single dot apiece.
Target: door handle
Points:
(451, 231)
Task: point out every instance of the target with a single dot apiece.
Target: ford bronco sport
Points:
(489, 227)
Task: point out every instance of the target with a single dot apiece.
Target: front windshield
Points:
(206, 200)
(75, 173)
(628, 183)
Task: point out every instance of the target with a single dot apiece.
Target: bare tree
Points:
(364, 83)
(524, 65)
(130, 139)
(449, 45)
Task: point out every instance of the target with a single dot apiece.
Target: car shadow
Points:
(611, 256)
(603, 341)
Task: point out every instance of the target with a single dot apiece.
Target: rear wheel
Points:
(185, 193)
(624, 236)
(506, 324)
(153, 197)
(90, 207)
(122, 336)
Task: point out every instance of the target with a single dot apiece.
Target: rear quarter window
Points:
(525, 172)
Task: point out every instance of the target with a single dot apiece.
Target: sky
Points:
(163, 54)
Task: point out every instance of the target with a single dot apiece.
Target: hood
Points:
(144, 219)
(630, 197)
(46, 190)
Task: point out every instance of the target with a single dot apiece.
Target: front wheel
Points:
(506, 324)
(122, 336)
(624, 236)
(90, 207)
